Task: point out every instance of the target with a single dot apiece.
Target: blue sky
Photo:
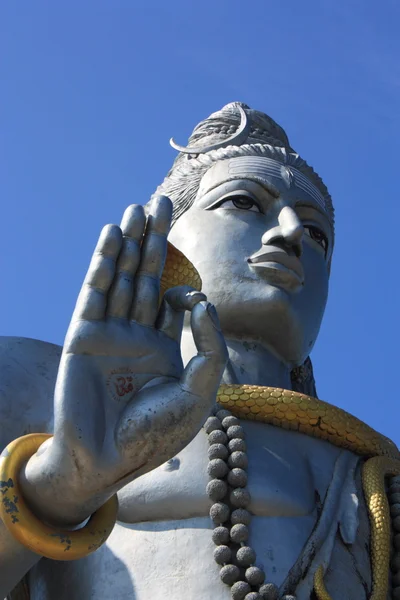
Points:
(92, 91)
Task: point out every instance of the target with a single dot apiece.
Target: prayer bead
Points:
(240, 516)
(219, 512)
(218, 451)
(217, 437)
(240, 498)
(236, 431)
(237, 478)
(238, 460)
(269, 591)
(222, 414)
(237, 445)
(245, 556)
(255, 576)
(216, 489)
(239, 590)
(217, 468)
(220, 535)
(239, 533)
(222, 555)
(212, 424)
(229, 574)
(230, 421)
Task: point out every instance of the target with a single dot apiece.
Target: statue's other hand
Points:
(124, 404)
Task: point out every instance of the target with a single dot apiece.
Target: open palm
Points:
(124, 403)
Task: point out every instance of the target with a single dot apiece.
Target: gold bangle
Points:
(57, 544)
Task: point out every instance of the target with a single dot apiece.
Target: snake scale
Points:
(297, 412)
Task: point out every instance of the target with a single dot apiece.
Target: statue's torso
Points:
(162, 547)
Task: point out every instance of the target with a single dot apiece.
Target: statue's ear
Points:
(302, 379)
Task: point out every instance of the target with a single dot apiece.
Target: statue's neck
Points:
(249, 362)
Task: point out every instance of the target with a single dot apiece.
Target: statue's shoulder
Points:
(28, 371)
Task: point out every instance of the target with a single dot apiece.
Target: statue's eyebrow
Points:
(314, 205)
(267, 185)
(322, 217)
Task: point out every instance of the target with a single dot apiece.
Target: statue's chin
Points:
(273, 322)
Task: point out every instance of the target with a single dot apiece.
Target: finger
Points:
(92, 298)
(172, 312)
(133, 222)
(154, 249)
(203, 373)
(121, 293)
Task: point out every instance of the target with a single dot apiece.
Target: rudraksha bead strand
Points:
(227, 466)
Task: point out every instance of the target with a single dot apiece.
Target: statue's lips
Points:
(274, 257)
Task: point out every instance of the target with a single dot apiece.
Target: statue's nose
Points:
(289, 232)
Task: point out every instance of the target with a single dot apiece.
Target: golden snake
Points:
(298, 412)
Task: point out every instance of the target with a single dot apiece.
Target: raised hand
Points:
(124, 404)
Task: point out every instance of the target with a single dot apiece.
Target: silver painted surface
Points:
(268, 279)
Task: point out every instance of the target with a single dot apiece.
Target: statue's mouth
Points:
(273, 258)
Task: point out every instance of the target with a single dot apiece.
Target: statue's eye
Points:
(317, 235)
(241, 202)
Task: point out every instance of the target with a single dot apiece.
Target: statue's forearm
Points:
(15, 561)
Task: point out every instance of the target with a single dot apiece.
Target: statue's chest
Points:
(281, 472)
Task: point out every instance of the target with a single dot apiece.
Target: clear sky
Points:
(91, 93)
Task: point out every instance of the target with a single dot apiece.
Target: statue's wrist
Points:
(38, 534)
(53, 494)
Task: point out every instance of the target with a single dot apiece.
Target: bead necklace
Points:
(227, 489)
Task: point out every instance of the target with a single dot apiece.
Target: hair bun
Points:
(263, 129)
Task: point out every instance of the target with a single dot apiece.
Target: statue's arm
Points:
(123, 402)
(15, 561)
(28, 370)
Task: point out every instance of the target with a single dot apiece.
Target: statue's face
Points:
(260, 237)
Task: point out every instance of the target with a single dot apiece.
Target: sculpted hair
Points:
(266, 138)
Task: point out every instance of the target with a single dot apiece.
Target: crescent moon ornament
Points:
(235, 139)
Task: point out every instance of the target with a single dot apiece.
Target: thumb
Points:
(203, 373)
(176, 301)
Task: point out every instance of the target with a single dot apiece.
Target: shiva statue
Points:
(174, 447)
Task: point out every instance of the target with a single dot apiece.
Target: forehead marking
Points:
(267, 167)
